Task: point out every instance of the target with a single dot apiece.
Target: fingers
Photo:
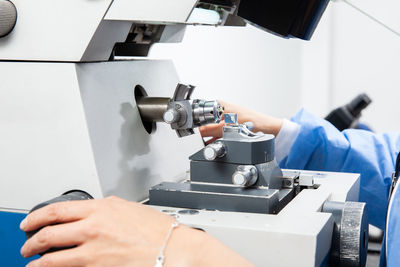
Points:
(229, 107)
(74, 257)
(56, 236)
(214, 130)
(61, 212)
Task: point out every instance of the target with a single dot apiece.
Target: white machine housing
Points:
(83, 30)
(69, 120)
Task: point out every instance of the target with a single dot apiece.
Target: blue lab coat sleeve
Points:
(393, 234)
(320, 146)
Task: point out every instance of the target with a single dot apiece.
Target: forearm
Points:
(268, 125)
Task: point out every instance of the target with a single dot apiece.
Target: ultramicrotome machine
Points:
(79, 122)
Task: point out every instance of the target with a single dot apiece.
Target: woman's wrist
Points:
(267, 124)
(184, 247)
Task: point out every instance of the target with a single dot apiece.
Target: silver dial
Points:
(213, 151)
(8, 17)
(245, 175)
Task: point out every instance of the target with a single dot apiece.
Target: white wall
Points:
(354, 54)
(242, 65)
(366, 57)
(316, 68)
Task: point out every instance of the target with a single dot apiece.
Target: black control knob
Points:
(347, 116)
(69, 196)
(8, 17)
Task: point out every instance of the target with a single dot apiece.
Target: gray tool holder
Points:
(211, 181)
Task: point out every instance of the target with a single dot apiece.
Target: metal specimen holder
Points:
(236, 173)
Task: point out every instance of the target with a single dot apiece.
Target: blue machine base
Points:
(11, 240)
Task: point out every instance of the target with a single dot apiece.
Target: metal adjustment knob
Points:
(171, 116)
(8, 17)
(350, 233)
(245, 175)
(213, 151)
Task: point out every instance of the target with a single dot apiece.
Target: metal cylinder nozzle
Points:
(182, 114)
(206, 112)
(152, 109)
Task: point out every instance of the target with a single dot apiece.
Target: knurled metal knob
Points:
(350, 233)
(214, 150)
(245, 175)
(8, 17)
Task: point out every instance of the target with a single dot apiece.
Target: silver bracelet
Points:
(161, 258)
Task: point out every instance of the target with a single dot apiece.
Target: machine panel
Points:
(69, 126)
(45, 148)
(164, 11)
(130, 160)
(52, 30)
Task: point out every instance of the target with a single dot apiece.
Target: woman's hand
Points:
(115, 232)
(262, 123)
